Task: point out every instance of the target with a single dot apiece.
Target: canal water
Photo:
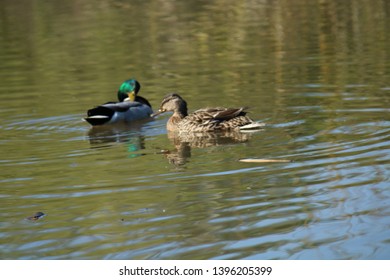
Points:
(316, 72)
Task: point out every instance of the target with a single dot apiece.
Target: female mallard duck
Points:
(130, 107)
(204, 120)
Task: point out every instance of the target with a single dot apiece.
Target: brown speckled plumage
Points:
(204, 120)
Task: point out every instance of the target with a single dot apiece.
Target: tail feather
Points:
(97, 120)
(99, 115)
(253, 126)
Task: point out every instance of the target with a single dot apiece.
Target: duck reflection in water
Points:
(184, 143)
(104, 136)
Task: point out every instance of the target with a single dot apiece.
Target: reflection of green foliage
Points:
(319, 63)
(271, 56)
(252, 47)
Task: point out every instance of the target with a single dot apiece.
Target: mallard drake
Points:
(204, 120)
(130, 107)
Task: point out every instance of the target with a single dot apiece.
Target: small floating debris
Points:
(36, 216)
(263, 160)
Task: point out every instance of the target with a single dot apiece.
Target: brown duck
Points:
(204, 120)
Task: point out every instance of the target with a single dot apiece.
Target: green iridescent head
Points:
(128, 90)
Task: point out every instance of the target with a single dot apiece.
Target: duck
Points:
(204, 120)
(131, 107)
